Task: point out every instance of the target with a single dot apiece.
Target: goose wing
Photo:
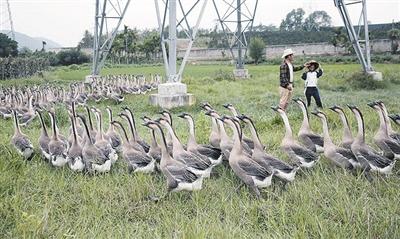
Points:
(137, 158)
(393, 145)
(315, 138)
(346, 153)
(396, 137)
(209, 151)
(373, 158)
(305, 153)
(23, 143)
(181, 173)
(278, 164)
(254, 169)
(145, 145)
(193, 160)
(249, 142)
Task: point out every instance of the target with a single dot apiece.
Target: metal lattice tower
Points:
(178, 13)
(236, 18)
(108, 18)
(6, 22)
(363, 53)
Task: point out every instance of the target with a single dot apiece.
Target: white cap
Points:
(287, 52)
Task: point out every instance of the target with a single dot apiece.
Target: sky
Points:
(64, 21)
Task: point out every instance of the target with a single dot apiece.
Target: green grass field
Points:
(37, 200)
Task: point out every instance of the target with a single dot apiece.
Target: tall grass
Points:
(37, 200)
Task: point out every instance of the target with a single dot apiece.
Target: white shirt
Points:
(290, 72)
(312, 79)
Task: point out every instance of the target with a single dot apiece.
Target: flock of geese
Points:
(90, 148)
(25, 100)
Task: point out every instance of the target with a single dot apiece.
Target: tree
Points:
(8, 47)
(394, 36)
(293, 20)
(256, 49)
(316, 20)
(72, 56)
(87, 40)
(340, 39)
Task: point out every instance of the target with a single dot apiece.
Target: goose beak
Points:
(351, 107)
(372, 104)
(147, 124)
(275, 108)
(241, 117)
(315, 113)
(182, 115)
(334, 108)
(208, 113)
(227, 105)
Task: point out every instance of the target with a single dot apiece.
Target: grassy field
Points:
(37, 200)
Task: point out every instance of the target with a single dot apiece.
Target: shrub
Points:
(221, 75)
(363, 81)
(72, 56)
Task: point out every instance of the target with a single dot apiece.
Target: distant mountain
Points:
(33, 43)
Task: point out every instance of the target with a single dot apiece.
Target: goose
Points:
(347, 138)
(197, 163)
(389, 146)
(339, 156)
(102, 142)
(29, 115)
(138, 139)
(391, 132)
(92, 131)
(57, 147)
(297, 152)
(44, 138)
(79, 130)
(155, 150)
(94, 158)
(167, 115)
(395, 118)
(74, 155)
(114, 137)
(282, 170)
(307, 137)
(215, 137)
(235, 113)
(213, 154)
(368, 158)
(249, 171)
(226, 142)
(179, 176)
(135, 144)
(20, 141)
(138, 161)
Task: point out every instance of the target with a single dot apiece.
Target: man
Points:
(286, 78)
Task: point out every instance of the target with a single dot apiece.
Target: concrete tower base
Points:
(376, 75)
(171, 95)
(241, 73)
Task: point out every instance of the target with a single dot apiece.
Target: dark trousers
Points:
(313, 91)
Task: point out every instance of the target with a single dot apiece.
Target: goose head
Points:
(336, 109)
(185, 116)
(278, 109)
(206, 106)
(374, 105)
(167, 115)
(319, 114)
(146, 118)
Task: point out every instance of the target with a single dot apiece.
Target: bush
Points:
(363, 81)
(221, 75)
(72, 56)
